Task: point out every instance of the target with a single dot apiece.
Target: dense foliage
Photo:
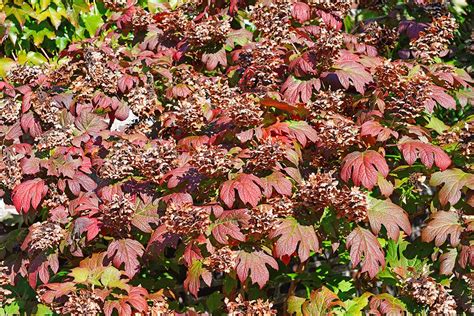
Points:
(233, 157)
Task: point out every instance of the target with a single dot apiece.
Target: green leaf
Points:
(294, 305)
(355, 306)
(80, 275)
(214, 301)
(92, 22)
(43, 310)
(111, 278)
(437, 125)
(44, 4)
(55, 18)
(12, 309)
(345, 286)
(5, 65)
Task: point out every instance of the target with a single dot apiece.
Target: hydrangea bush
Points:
(243, 158)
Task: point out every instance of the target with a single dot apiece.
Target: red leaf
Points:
(248, 187)
(134, 300)
(282, 106)
(390, 215)
(302, 131)
(351, 72)
(29, 194)
(81, 180)
(440, 226)
(126, 82)
(466, 257)
(454, 180)
(321, 302)
(86, 224)
(278, 182)
(386, 304)
(40, 267)
(30, 125)
(301, 12)
(211, 60)
(291, 234)
(255, 264)
(363, 168)
(90, 123)
(445, 100)
(126, 251)
(374, 129)
(227, 224)
(146, 213)
(295, 90)
(428, 153)
(160, 239)
(363, 243)
(448, 261)
(56, 290)
(85, 202)
(192, 282)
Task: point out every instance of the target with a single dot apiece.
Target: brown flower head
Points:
(241, 307)
(186, 219)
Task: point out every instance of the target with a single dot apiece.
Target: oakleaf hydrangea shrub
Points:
(244, 158)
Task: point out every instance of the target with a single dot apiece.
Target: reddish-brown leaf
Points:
(428, 153)
(292, 235)
(278, 182)
(301, 12)
(448, 261)
(351, 72)
(454, 181)
(40, 267)
(440, 226)
(363, 168)
(227, 225)
(29, 194)
(196, 271)
(247, 186)
(365, 248)
(386, 304)
(146, 213)
(466, 257)
(211, 60)
(321, 302)
(390, 215)
(126, 82)
(295, 90)
(302, 131)
(126, 251)
(375, 129)
(255, 264)
(134, 300)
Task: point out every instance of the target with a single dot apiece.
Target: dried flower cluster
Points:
(266, 155)
(318, 191)
(380, 36)
(10, 168)
(403, 94)
(254, 307)
(44, 236)
(435, 39)
(186, 220)
(153, 161)
(116, 215)
(213, 161)
(240, 152)
(82, 302)
(5, 294)
(222, 260)
(426, 291)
